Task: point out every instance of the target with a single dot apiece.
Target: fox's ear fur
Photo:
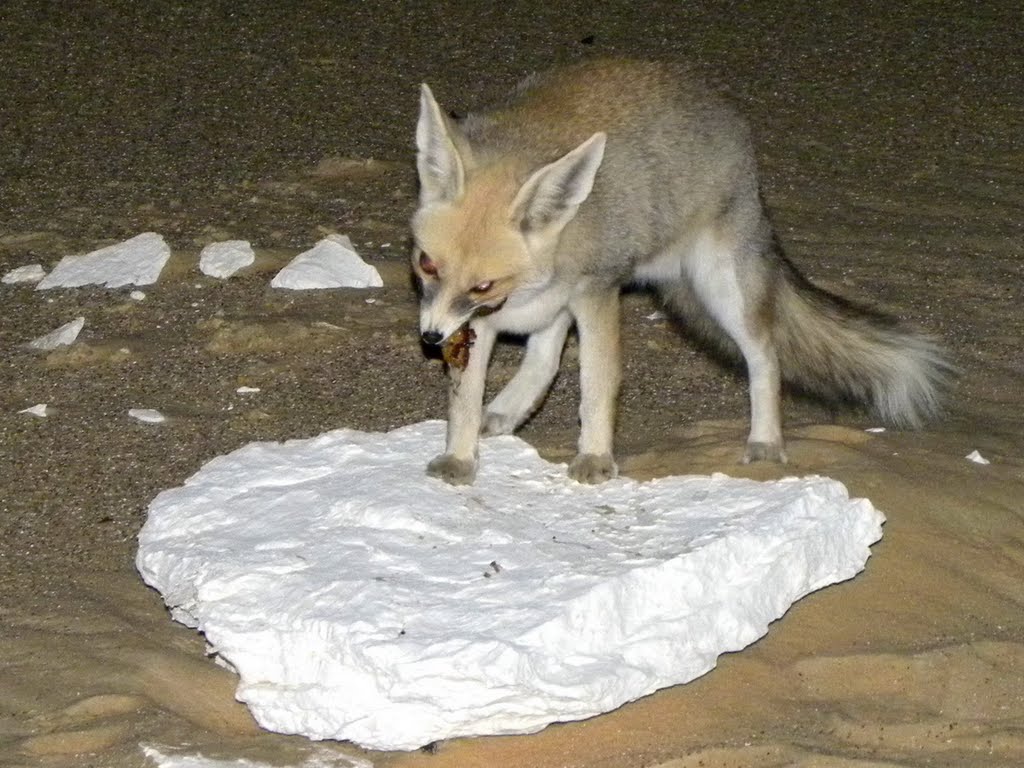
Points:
(552, 195)
(442, 176)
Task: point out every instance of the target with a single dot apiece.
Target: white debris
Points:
(977, 458)
(60, 337)
(36, 410)
(30, 273)
(225, 258)
(320, 758)
(137, 261)
(656, 316)
(147, 415)
(137, 295)
(331, 263)
(360, 599)
(247, 390)
(875, 430)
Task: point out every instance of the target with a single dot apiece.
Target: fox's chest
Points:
(530, 310)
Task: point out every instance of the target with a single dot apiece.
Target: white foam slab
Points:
(223, 259)
(359, 599)
(147, 415)
(331, 263)
(59, 337)
(977, 458)
(30, 273)
(137, 261)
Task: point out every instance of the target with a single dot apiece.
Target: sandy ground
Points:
(890, 138)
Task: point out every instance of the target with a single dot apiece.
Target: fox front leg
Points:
(458, 464)
(523, 395)
(597, 322)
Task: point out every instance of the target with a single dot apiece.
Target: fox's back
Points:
(675, 147)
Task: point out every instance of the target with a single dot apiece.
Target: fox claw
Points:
(764, 452)
(593, 468)
(452, 470)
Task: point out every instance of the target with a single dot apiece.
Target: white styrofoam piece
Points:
(331, 263)
(30, 273)
(59, 337)
(360, 599)
(223, 259)
(147, 415)
(977, 458)
(36, 410)
(137, 261)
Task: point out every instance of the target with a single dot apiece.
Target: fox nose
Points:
(431, 337)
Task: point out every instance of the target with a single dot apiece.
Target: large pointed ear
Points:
(440, 168)
(552, 195)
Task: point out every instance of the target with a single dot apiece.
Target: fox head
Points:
(481, 231)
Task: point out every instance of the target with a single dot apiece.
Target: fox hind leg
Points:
(736, 296)
(521, 396)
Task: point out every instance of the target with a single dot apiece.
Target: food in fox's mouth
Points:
(455, 350)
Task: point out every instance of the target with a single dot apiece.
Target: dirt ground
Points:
(893, 162)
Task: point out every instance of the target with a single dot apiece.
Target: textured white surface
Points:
(59, 337)
(359, 599)
(165, 758)
(223, 259)
(137, 261)
(331, 263)
(30, 273)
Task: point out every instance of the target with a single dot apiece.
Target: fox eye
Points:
(427, 265)
(483, 287)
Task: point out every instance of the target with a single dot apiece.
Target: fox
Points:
(533, 215)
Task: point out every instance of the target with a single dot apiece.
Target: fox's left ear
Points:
(552, 195)
(441, 172)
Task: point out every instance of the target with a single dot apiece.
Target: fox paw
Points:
(764, 452)
(593, 468)
(452, 469)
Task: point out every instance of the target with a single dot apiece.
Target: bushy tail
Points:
(838, 350)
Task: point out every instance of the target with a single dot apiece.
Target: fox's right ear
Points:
(441, 172)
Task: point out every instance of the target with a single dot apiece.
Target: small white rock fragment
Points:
(137, 295)
(875, 430)
(137, 261)
(30, 273)
(331, 263)
(36, 410)
(60, 337)
(655, 316)
(977, 458)
(247, 390)
(146, 415)
(223, 259)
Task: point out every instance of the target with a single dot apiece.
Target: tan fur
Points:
(534, 214)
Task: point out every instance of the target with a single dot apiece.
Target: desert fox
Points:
(533, 216)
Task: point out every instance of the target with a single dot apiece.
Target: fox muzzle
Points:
(432, 338)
